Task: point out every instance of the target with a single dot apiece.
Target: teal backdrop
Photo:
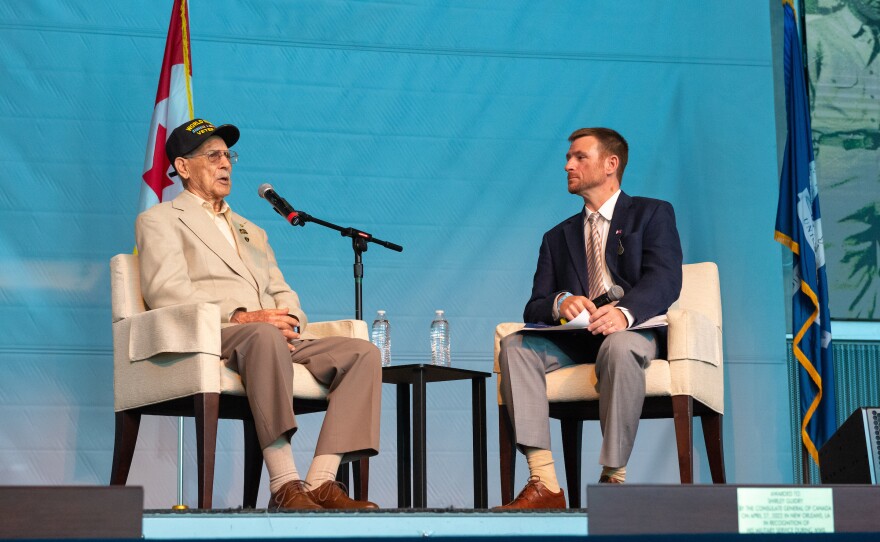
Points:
(440, 125)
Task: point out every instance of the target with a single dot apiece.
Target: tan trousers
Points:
(350, 368)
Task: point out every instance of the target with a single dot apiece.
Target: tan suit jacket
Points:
(186, 259)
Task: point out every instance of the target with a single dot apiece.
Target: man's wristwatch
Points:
(559, 301)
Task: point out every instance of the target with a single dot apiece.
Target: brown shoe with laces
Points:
(535, 496)
(333, 496)
(293, 495)
(609, 480)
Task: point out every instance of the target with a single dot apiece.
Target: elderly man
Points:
(196, 249)
(616, 239)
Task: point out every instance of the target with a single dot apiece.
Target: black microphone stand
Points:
(359, 240)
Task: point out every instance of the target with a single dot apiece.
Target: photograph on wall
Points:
(844, 72)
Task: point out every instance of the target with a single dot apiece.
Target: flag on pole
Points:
(799, 227)
(174, 106)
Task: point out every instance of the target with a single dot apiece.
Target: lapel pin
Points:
(618, 232)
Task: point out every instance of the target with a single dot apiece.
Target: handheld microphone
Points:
(279, 204)
(613, 294)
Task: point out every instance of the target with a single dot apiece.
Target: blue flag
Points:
(799, 227)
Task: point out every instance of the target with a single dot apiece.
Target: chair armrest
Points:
(176, 329)
(185, 340)
(696, 358)
(692, 335)
(355, 329)
(503, 330)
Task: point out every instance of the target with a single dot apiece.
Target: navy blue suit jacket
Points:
(643, 254)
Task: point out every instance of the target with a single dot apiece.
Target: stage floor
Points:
(389, 523)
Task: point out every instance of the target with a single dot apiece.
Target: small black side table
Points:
(412, 488)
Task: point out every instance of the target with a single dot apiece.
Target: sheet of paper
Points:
(657, 321)
(583, 320)
(580, 322)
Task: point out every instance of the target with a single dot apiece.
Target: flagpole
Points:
(187, 70)
(173, 106)
(802, 16)
(806, 458)
(805, 464)
(180, 505)
(802, 19)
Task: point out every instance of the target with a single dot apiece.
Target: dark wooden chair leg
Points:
(572, 437)
(253, 464)
(342, 476)
(507, 453)
(127, 425)
(714, 436)
(207, 410)
(683, 416)
(360, 473)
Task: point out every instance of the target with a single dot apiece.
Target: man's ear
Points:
(181, 167)
(611, 163)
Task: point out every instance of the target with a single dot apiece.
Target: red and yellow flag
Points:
(174, 106)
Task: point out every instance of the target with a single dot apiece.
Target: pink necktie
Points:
(594, 258)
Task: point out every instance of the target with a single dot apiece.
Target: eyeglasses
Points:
(214, 156)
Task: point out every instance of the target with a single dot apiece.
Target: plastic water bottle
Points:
(440, 341)
(380, 335)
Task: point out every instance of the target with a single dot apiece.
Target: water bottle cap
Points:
(438, 312)
(380, 313)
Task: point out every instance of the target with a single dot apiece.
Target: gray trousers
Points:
(350, 368)
(527, 357)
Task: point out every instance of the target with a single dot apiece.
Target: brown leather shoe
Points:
(332, 495)
(609, 480)
(293, 495)
(535, 496)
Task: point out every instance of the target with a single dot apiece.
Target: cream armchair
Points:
(690, 382)
(166, 362)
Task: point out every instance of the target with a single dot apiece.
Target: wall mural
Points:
(844, 70)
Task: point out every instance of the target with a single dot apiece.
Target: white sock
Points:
(615, 473)
(280, 464)
(323, 469)
(541, 465)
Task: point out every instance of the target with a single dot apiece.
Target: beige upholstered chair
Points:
(167, 362)
(689, 383)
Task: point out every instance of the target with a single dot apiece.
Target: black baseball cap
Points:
(188, 136)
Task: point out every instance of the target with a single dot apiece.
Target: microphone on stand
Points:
(613, 294)
(279, 204)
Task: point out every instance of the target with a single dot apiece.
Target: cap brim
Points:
(228, 133)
